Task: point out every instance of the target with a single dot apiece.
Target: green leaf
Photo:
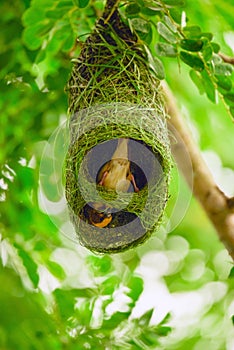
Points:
(141, 25)
(110, 285)
(231, 109)
(166, 33)
(197, 79)
(115, 320)
(215, 47)
(172, 3)
(31, 38)
(209, 36)
(65, 302)
(223, 69)
(56, 269)
(33, 15)
(229, 98)
(65, 4)
(224, 82)
(40, 246)
(191, 45)
(192, 32)
(69, 43)
(192, 60)
(85, 312)
(170, 24)
(82, 3)
(30, 266)
(148, 11)
(207, 52)
(55, 14)
(41, 56)
(163, 49)
(100, 265)
(231, 273)
(163, 331)
(158, 68)
(135, 285)
(209, 87)
(132, 9)
(149, 339)
(148, 37)
(144, 320)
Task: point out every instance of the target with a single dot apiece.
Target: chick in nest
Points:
(116, 173)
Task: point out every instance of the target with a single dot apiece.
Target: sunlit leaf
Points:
(166, 33)
(170, 24)
(157, 67)
(164, 49)
(223, 69)
(141, 25)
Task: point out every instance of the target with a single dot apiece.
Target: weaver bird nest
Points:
(118, 161)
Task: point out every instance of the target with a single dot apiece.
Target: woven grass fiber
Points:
(114, 94)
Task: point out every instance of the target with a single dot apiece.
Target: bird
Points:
(116, 173)
(97, 214)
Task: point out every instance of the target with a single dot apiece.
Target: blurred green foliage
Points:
(50, 302)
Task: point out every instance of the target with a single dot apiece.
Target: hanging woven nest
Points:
(117, 117)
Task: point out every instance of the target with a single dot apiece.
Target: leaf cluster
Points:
(76, 310)
(166, 23)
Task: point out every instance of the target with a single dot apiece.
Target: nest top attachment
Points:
(118, 161)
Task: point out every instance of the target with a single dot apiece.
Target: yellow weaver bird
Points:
(97, 215)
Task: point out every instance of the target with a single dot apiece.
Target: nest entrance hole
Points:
(143, 167)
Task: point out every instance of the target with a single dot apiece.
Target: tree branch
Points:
(226, 59)
(217, 206)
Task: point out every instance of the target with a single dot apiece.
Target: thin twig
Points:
(218, 207)
(226, 59)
